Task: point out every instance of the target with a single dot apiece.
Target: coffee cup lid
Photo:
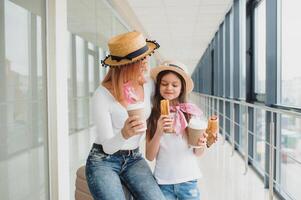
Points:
(135, 106)
(197, 123)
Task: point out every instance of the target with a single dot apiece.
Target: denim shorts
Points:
(182, 191)
(107, 173)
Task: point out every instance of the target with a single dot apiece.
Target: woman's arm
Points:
(110, 140)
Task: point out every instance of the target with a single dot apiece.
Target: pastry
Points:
(164, 106)
(212, 130)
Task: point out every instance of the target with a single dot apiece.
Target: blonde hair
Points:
(119, 75)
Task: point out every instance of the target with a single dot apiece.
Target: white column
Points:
(3, 94)
(57, 68)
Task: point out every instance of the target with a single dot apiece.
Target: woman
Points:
(114, 158)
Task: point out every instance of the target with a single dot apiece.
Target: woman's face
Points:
(143, 70)
(144, 66)
(170, 86)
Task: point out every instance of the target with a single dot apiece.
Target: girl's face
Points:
(170, 86)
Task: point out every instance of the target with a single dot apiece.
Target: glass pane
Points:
(91, 74)
(243, 123)
(290, 156)
(102, 70)
(259, 139)
(71, 84)
(82, 113)
(23, 107)
(290, 56)
(80, 66)
(227, 119)
(90, 46)
(92, 85)
(221, 116)
(72, 114)
(260, 47)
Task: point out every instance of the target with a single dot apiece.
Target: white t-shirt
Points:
(109, 117)
(175, 162)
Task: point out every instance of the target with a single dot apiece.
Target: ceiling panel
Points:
(181, 3)
(143, 3)
(183, 28)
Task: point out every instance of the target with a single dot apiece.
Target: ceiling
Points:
(184, 28)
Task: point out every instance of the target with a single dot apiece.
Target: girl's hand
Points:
(202, 143)
(131, 127)
(164, 123)
(202, 140)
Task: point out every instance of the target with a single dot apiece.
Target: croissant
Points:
(212, 130)
(164, 106)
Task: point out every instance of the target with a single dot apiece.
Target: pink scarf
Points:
(180, 122)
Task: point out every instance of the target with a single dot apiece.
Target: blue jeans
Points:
(182, 191)
(106, 174)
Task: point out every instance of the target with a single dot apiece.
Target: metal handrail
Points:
(264, 107)
(209, 105)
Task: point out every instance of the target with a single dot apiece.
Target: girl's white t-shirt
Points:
(109, 117)
(175, 162)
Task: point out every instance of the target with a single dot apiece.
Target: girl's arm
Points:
(153, 144)
(198, 152)
(202, 143)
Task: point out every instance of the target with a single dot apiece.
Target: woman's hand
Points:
(164, 123)
(131, 127)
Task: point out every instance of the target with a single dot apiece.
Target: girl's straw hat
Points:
(174, 66)
(128, 48)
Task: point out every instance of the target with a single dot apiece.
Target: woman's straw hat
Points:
(174, 66)
(128, 48)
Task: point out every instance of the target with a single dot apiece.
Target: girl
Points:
(176, 169)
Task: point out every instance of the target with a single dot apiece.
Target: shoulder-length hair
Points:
(119, 75)
(155, 114)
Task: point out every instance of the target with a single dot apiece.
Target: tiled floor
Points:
(223, 173)
(224, 178)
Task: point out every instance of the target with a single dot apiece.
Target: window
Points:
(260, 48)
(82, 97)
(243, 124)
(290, 96)
(229, 55)
(221, 60)
(256, 81)
(290, 156)
(23, 105)
(290, 53)
(83, 75)
(259, 140)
